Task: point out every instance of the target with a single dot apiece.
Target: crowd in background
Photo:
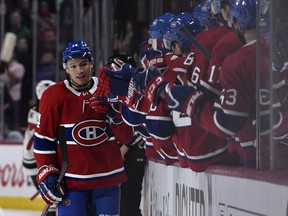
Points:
(19, 86)
(130, 23)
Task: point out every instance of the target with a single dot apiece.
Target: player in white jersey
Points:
(28, 159)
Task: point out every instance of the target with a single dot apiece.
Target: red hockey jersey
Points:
(94, 156)
(227, 45)
(237, 102)
(207, 39)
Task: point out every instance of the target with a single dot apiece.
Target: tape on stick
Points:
(7, 48)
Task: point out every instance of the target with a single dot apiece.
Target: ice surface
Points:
(14, 212)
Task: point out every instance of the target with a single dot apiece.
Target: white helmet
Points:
(42, 86)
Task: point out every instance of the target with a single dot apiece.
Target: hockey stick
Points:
(7, 49)
(195, 42)
(63, 150)
(34, 196)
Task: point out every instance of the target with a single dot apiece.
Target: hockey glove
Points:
(116, 79)
(149, 53)
(149, 57)
(110, 110)
(47, 178)
(113, 114)
(150, 83)
(183, 99)
(157, 61)
(132, 98)
(99, 104)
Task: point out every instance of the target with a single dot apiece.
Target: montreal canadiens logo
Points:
(66, 202)
(90, 133)
(173, 24)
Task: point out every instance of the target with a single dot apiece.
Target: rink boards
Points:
(220, 191)
(15, 188)
(171, 190)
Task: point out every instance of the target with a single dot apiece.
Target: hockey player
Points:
(91, 183)
(28, 160)
(235, 108)
(182, 58)
(134, 154)
(133, 107)
(229, 43)
(159, 122)
(157, 57)
(153, 52)
(178, 63)
(208, 39)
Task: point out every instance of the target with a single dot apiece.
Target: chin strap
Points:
(79, 87)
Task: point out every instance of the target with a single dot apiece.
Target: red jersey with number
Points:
(207, 39)
(225, 47)
(228, 116)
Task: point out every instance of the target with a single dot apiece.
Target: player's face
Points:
(176, 49)
(79, 70)
(225, 12)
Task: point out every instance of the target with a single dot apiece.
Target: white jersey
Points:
(29, 162)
